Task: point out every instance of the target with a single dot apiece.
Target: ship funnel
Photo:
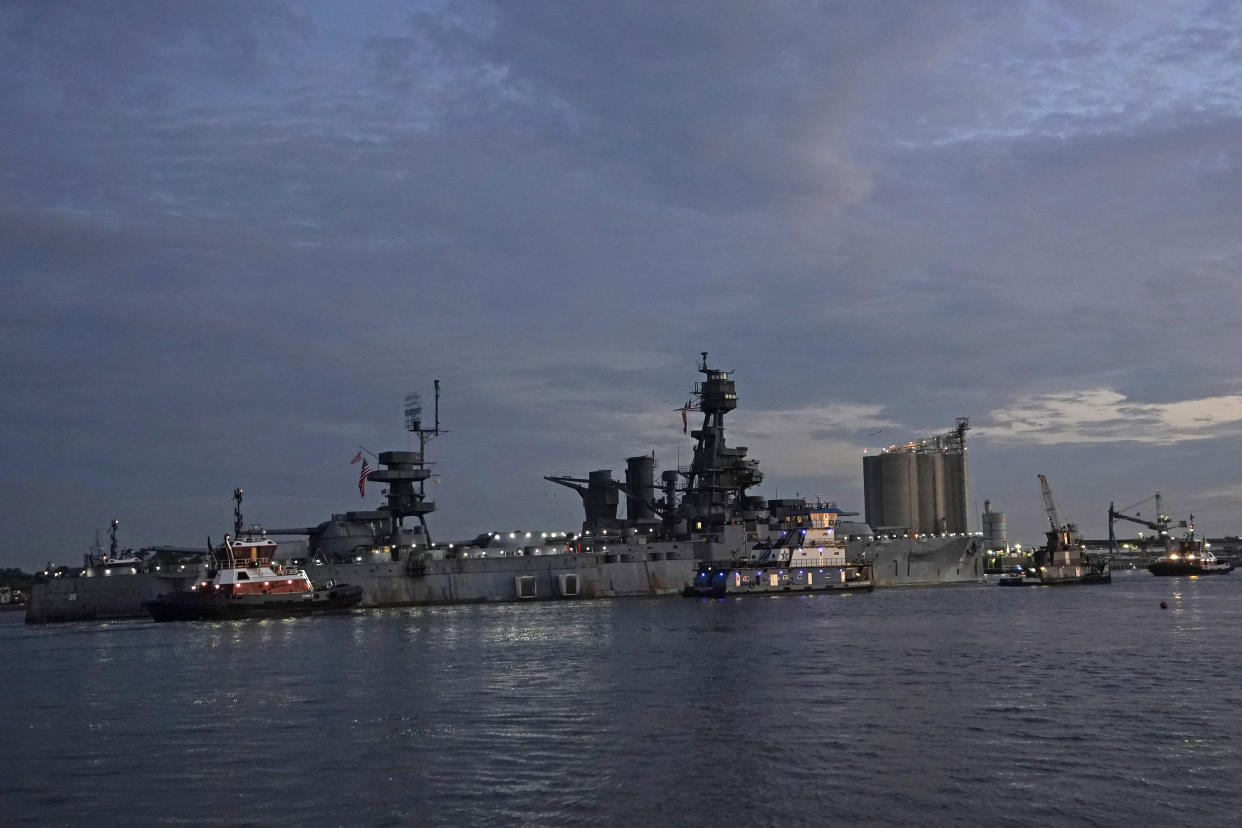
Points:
(601, 497)
(640, 486)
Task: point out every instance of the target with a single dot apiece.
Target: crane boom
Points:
(1161, 524)
(1049, 506)
(1113, 514)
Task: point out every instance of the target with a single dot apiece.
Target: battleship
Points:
(699, 514)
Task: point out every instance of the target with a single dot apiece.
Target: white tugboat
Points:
(805, 557)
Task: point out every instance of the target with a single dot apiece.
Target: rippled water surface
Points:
(960, 705)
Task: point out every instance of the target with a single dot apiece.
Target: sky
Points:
(234, 235)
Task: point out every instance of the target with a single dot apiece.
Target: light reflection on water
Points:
(967, 705)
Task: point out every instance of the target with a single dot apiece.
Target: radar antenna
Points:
(406, 472)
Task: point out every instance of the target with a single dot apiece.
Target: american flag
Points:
(357, 457)
(362, 478)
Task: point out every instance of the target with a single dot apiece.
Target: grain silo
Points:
(919, 487)
(995, 536)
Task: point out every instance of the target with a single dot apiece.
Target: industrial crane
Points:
(1063, 560)
(1160, 525)
(1049, 506)
(1062, 537)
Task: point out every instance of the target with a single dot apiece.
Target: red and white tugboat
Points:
(252, 585)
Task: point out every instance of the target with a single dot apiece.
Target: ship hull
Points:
(524, 578)
(732, 580)
(922, 561)
(99, 598)
(204, 606)
(390, 583)
(1081, 574)
(660, 569)
(1170, 568)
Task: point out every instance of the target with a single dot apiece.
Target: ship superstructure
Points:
(381, 533)
(718, 477)
(1063, 560)
(705, 503)
(803, 554)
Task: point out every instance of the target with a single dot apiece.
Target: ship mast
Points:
(718, 476)
(406, 472)
(715, 481)
(237, 512)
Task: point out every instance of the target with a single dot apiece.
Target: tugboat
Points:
(806, 557)
(1191, 557)
(251, 584)
(1188, 555)
(1063, 560)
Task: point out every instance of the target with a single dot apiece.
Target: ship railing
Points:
(252, 563)
(737, 564)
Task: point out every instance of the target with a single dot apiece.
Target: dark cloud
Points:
(234, 235)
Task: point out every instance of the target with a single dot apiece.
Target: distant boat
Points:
(1063, 560)
(1188, 555)
(1019, 577)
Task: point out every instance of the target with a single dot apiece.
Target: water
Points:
(963, 705)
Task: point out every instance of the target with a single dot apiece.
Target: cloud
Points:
(1103, 415)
